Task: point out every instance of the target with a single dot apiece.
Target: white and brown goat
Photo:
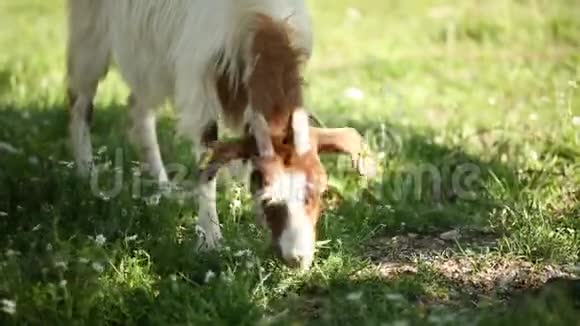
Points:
(238, 60)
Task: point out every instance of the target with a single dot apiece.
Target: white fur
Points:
(297, 241)
(167, 50)
(288, 188)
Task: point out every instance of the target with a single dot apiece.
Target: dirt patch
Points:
(469, 265)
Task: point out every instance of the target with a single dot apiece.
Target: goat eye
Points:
(256, 181)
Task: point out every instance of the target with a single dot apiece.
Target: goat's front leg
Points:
(208, 219)
(144, 136)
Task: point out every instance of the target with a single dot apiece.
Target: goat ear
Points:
(221, 153)
(346, 141)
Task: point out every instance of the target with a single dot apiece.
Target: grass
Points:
(473, 108)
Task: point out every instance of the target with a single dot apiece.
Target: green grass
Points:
(482, 93)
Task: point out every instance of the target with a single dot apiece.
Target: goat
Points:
(235, 59)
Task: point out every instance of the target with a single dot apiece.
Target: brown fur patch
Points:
(234, 101)
(275, 83)
(276, 217)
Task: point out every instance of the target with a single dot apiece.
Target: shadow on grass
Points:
(422, 189)
(70, 255)
(402, 206)
(52, 221)
(426, 188)
(422, 299)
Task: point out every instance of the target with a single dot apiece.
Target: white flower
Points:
(354, 93)
(62, 283)
(395, 297)
(100, 239)
(83, 260)
(354, 296)
(8, 148)
(8, 306)
(61, 264)
(3, 214)
(235, 204)
(245, 252)
(153, 200)
(131, 238)
(209, 276)
(98, 267)
(534, 155)
(227, 277)
(576, 120)
(11, 253)
(66, 164)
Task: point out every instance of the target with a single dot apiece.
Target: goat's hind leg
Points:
(88, 52)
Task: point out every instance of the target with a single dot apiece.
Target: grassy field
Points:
(473, 108)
